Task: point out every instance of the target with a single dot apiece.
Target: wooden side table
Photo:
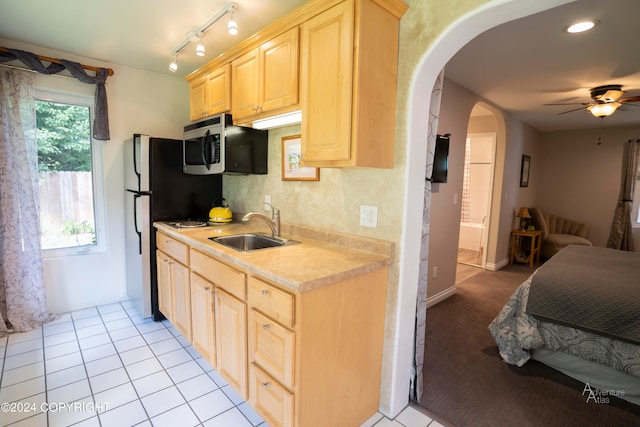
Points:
(516, 246)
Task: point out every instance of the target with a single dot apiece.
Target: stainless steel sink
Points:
(251, 241)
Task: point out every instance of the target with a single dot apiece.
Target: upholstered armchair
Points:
(558, 232)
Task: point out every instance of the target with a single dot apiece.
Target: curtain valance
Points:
(31, 60)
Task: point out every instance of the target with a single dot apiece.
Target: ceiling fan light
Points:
(603, 110)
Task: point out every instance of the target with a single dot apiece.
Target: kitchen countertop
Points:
(320, 259)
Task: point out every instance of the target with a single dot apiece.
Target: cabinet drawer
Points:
(230, 279)
(272, 301)
(273, 402)
(272, 347)
(175, 249)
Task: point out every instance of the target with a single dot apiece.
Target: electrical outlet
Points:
(435, 272)
(369, 216)
(267, 199)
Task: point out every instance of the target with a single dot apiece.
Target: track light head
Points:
(232, 27)
(200, 47)
(173, 67)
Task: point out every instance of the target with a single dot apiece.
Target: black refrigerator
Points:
(156, 189)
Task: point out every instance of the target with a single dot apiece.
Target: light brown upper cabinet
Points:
(210, 94)
(349, 62)
(265, 79)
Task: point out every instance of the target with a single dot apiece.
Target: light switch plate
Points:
(267, 199)
(369, 216)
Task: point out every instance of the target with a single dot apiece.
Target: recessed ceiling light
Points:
(581, 26)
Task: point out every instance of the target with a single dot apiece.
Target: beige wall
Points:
(513, 139)
(580, 179)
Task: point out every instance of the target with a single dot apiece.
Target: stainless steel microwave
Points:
(214, 146)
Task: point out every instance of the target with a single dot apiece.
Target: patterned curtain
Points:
(31, 60)
(421, 309)
(621, 236)
(22, 292)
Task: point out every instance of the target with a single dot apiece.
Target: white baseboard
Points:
(441, 296)
(497, 266)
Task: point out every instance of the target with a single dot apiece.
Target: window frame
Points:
(97, 176)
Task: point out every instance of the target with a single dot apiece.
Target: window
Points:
(70, 176)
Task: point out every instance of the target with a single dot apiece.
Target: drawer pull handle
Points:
(265, 292)
(266, 384)
(265, 327)
(207, 288)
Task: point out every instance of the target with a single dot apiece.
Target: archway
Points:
(426, 72)
(477, 191)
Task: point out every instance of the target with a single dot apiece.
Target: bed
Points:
(579, 313)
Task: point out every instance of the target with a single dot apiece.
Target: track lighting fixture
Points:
(200, 47)
(232, 28)
(174, 64)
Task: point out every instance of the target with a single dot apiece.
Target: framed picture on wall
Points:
(524, 170)
(291, 161)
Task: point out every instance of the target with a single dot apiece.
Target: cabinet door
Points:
(181, 298)
(202, 318)
(164, 284)
(197, 94)
(272, 347)
(326, 84)
(273, 402)
(244, 85)
(279, 71)
(231, 340)
(218, 91)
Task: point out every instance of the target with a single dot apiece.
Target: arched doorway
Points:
(423, 77)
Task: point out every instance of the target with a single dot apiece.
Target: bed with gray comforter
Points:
(584, 302)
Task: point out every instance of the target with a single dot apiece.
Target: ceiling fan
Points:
(606, 100)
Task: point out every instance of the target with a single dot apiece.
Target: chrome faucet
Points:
(273, 223)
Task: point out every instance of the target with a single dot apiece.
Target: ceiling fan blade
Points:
(571, 111)
(570, 103)
(628, 107)
(629, 99)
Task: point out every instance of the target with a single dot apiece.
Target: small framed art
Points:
(524, 170)
(291, 161)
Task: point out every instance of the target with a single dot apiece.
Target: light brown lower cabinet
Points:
(271, 400)
(315, 357)
(174, 293)
(301, 359)
(231, 340)
(202, 318)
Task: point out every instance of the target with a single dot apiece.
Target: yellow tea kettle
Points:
(220, 212)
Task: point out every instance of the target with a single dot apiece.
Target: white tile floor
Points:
(107, 366)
